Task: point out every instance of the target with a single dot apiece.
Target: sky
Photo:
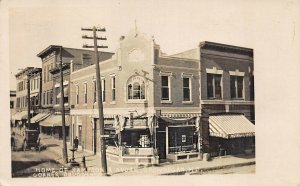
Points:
(270, 27)
(175, 25)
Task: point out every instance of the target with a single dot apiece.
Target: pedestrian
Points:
(75, 143)
(13, 141)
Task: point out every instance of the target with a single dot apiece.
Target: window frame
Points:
(189, 77)
(77, 94)
(141, 91)
(236, 87)
(169, 76)
(214, 76)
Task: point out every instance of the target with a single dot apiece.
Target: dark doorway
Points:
(161, 144)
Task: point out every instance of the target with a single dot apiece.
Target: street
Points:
(250, 169)
(34, 163)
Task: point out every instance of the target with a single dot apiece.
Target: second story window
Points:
(113, 88)
(136, 88)
(77, 94)
(186, 87)
(214, 89)
(85, 93)
(165, 88)
(236, 86)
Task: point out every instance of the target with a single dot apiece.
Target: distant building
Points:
(51, 56)
(12, 103)
(21, 115)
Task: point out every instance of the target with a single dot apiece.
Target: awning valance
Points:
(39, 117)
(65, 93)
(20, 115)
(55, 120)
(230, 126)
(180, 115)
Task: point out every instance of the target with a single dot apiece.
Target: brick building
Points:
(151, 104)
(51, 57)
(227, 96)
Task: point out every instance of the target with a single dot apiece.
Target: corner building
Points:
(151, 104)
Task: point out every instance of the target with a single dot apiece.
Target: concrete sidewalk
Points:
(93, 163)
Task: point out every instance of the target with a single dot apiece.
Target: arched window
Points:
(136, 88)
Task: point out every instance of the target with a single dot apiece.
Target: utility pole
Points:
(62, 106)
(99, 97)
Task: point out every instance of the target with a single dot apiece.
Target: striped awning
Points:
(39, 117)
(230, 126)
(179, 115)
(20, 115)
(55, 120)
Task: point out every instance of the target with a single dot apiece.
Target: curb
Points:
(197, 170)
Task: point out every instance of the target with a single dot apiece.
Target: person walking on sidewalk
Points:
(75, 143)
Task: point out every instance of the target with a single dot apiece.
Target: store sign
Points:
(183, 138)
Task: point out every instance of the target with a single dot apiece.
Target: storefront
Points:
(131, 140)
(231, 134)
(178, 138)
(52, 126)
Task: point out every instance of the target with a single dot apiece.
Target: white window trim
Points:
(236, 73)
(214, 70)
(169, 74)
(189, 76)
(135, 100)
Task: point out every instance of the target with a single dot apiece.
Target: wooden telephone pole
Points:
(99, 97)
(62, 106)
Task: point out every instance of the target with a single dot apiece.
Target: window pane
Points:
(186, 94)
(218, 91)
(240, 86)
(164, 81)
(186, 82)
(210, 89)
(232, 86)
(165, 94)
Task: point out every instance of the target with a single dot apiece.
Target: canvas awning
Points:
(39, 117)
(20, 115)
(65, 93)
(230, 126)
(55, 120)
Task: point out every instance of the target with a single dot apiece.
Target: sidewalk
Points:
(93, 163)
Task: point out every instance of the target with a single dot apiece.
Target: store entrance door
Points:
(161, 144)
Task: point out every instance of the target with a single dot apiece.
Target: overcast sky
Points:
(175, 25)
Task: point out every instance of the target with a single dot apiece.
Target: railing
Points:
(187, 148)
